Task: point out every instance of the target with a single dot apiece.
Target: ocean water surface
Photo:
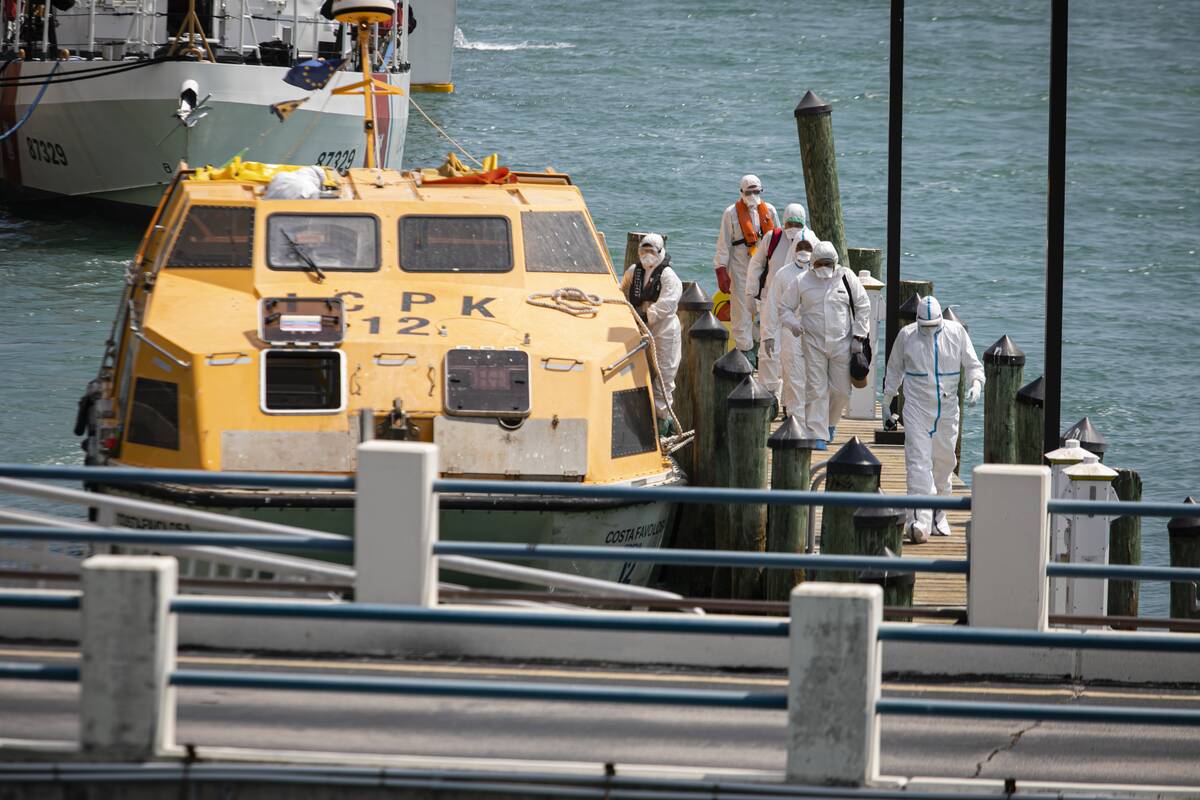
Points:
(657, 108)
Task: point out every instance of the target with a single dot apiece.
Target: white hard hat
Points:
(825, 251)
(929, 312)
(751, 182)
(795, 213)
(652, 240)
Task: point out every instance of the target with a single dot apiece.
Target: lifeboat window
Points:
(154, 416)
(214, 236)
(632, 423)
(301, 381)
(330, 241)
(455, 244)
(560, 241)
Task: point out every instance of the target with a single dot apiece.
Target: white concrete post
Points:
(833, 684)
(126, 705)
(396, 523)
(862, 401)
(1060, 524)
(1089, 480)
(1010, 538)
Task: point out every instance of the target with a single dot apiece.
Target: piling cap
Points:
(878, 517)
(869, 281)
(1033, 393)
(1069, 453)
(707, 326)
(1089, 438)
(1090, 469)
(694, 298)
(853, 459)
(908, 309)
(1188, 527)
(811, 104)
(750, 393)
(948, 313)
(790, 436)
(733, 366)
(1004, 351)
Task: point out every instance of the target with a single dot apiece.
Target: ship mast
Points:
(362, 14)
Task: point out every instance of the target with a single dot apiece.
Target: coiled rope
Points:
(579, 303)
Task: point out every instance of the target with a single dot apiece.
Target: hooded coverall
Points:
(736, 258)
(660, 315)
(929, 366)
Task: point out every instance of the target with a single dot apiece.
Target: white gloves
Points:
(972, 396)
(796, 329)
(769, 347)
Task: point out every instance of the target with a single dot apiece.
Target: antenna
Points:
(363, 14)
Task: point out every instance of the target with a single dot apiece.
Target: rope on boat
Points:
(579, 303)
(29, 111)
(443, 133)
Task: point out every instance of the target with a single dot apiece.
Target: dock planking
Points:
(931, 589)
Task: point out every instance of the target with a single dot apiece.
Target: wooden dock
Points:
(931, 589)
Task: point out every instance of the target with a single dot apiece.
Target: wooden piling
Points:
(692, 305)
(908, 306)
(948, 313)
(1185, 552)
(880, 532)
(1125, 545)
(787, 526)
(853, 468)
(1003, 365)
(868, 258)
(1030, 421)
(706, 339)
(749, 420)
(728, 372)
(818, 157)
(1089, 438)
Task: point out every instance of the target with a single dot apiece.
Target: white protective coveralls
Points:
(736, 258)
(769, 367)
(928, 358)
(660, 314)
(817, 306)
(788, 349)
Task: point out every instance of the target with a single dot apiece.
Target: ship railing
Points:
(130, 612)
(59, 543)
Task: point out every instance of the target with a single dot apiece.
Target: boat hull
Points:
(117, 139)
(489, 519)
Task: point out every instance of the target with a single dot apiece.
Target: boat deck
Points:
(931, 589)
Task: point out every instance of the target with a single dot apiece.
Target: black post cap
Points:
(811, 104)
(878, 517)
(750, 393)
(908, 309)
(854, 458)
(733, 365)
(948, 313)
(694, 298)
(1004, 351)
(1033, 393)
(707, 326)
(790, 436)
(1184, 527)
(1089, 438)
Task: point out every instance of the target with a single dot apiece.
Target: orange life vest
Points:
(750, 236)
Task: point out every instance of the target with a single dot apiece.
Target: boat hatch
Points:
(487, 383)
(314, 321)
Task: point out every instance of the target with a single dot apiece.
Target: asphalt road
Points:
(631, 734)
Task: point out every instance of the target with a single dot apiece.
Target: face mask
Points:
(803, 257)
(792, 233)
(824, 272)
(752, 200)
(649, 260)
(927, 330)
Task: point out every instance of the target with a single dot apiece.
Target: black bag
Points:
(860, 362)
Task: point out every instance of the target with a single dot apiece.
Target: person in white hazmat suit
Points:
(929, 357)
(777, 249)
(653, 288)
(828, 307)
(779, 342)
(743, 225)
